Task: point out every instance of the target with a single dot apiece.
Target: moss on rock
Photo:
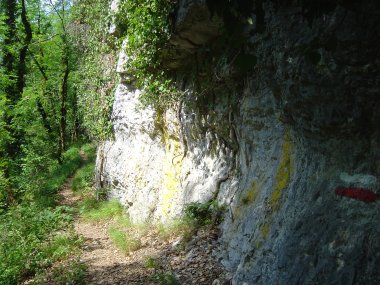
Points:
(284, 172)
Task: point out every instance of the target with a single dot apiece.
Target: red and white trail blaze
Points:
(360, 194)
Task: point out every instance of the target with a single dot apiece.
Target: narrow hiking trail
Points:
(106, 264)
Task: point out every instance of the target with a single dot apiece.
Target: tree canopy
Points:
(47, 48)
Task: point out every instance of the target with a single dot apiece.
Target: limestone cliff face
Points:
(305, 122)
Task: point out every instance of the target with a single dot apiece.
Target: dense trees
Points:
(38, 113)
(57, 62)
(52, 91)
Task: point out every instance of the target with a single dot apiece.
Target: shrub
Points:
(147, 29)
(69, 272)
(29, 239)
(165, 279)
(89, 151)
(35, 248)
(204, 213)
(151, 262)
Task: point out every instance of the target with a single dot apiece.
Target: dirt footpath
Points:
(192, 264)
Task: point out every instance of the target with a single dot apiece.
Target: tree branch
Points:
(58, 14)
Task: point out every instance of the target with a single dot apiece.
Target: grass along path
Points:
(105, 264)
(115, 251)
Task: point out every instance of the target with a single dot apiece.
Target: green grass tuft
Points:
(165, 279)
(123, 241)
(103, 210)
(182, 227)
(151, 262)
(62, 246)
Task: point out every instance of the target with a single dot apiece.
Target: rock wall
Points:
(306, 125)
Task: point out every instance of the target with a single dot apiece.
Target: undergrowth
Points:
(97, 211)
(124, 234)
(167, 278)
(35, 233)
(83, 178)
(127, 235)
(67, 272)
(124, 241)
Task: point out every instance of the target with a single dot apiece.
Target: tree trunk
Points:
(9, 63)
(12, 66)
(21, 71)
(10, 40)
(63, 110)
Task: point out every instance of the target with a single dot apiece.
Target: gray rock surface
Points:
(306, 123)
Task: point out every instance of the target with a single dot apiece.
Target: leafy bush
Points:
(147, 29)
(62, 245)
(69, 272)
(200, 213)
(204, 213)
(52, 180)
(165, 279)
(94, 82)
(29, 240)
(26, 244)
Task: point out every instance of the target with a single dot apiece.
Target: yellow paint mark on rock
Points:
(282, 179)
(284, 172)
(251, 194)
(172, 166)
(264, 230)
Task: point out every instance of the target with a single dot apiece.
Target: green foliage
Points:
(26, 244)
(167, 278)
(96, 211)
(34, 223)
(46, 183)
(38, 117)
(62, 245)
(159, 91)
(84, 178)
(146, 29)
(5, 136)
(123, 233)
(147, 32)
(151, 262)
(123, 241)
(182, 227)
(89, 151)
(33, 103)
(94, 82)
(69, 272)
(196, 215)
(3, 26)
(202, 214)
